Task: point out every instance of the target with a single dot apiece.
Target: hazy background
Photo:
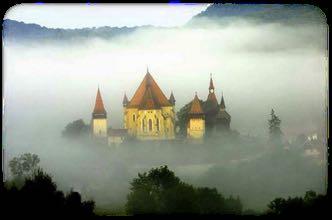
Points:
(256, 66)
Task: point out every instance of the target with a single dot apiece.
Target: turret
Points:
(172, 99)
(99, 118)
(196, 120)
(125, 100)
(223, 119)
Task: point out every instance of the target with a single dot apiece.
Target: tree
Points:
(39, 196)
(161, 192)
(311, 205)
(24, 166)
(182, 116)
(210, 201)
(76, 129)
(274, 128)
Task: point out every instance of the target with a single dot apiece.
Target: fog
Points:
(256, 66)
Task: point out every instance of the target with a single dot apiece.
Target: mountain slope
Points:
(20, 31)
(291, 14)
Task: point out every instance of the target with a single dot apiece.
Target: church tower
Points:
(124, 104)
(223, 119)
(172, 99)
(196, 120)
(211, 108)
(99, 118)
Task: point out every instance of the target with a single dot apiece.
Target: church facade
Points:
(149, 115)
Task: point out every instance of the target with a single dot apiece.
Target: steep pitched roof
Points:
(125, 100)
(211, 83)
(222, 111)
(99, 105)
(172, 99)
(196, 108)
(146, 97)
(222, 102)
(223, 114)
(212, 99)
(148, 102)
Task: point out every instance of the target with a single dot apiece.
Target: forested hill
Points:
(288, 13)
(17, 31)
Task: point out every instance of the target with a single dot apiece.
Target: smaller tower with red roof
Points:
(196, 120)
(99, 118)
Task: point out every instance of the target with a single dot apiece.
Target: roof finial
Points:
(211, 87)
(147, 69)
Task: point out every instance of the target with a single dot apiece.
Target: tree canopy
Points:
(76, 129)
(39, 197)
(311, 204)
(274, 128)
(160, 192)
(23, 167)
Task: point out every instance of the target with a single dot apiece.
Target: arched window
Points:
(134, 117)
(143, 125)
(157, 124)
(150, 124)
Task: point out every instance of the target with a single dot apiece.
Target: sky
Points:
(97, 15)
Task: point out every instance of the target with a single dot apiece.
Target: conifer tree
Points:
(274, 128)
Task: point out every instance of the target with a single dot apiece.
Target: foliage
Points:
(39, 196)
(76, 129)
(182, 116)
(274, 128)
(161, 192)
(311, 204)
(24, 165)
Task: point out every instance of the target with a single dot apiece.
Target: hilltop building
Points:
(149, 115)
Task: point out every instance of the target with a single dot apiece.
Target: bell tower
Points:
(99, 118)
(196, 120)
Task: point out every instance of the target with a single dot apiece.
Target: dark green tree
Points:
(76, 129)
(210, 201)
(39, 197)
(274, 128)
(160, 192)
(23, 166)
(311, 205)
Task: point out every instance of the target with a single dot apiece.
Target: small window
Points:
(157, 124)
(134, 117)
(143, 125)
(150, 125)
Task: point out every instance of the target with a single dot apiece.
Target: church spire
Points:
(172, 99)
(99, 106)
(196, 107)
(125, 100)
(222, 102)
(211, 87)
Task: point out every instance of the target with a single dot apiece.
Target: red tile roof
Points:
(148, 95)
(196, 108)
(99, 105)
